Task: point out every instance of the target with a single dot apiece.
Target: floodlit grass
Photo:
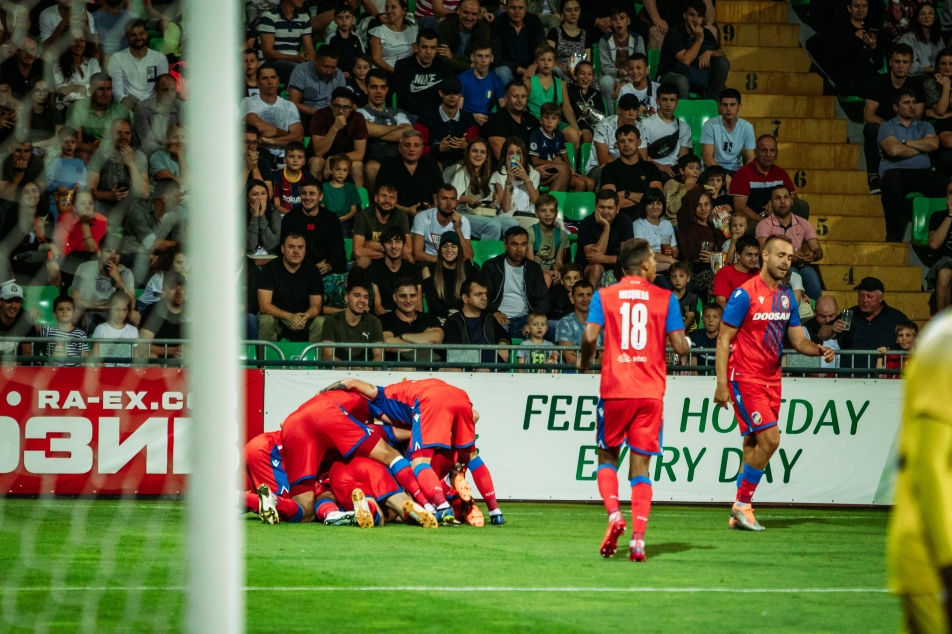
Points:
(307, 578)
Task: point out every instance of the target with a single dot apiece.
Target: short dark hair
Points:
(294, 146)
(618, 9)
(163, 186)
(404, 281)
(903, 92)
(712, 306)
(66, 299)
(901, 48)
(777, 238)
(697, 5)
(391, 233)
(729, 93)
(585, 62)
(638, 57)
(289, 235)
(687, 159)
(343, 7)
(467, 287)
(133, 24)
(342, 93)
(607, 194)
(550, 108)
(358, 278)
(515, 84)
(778, 188)
(514, 231)
(446, 187)
(261, 69)
(325, 50)
(172, 279)
(427, 34)
(632, 254)
(902, 325)
(65, 132)
(572, 266)
(483, 45)
(309, 181)
(378, 73)
(682, 266)
(627, 129)
(582, 284)
(668, 89)
(746, 242)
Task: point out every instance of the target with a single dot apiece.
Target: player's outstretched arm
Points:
(679, 343)
(589, 341)
(363, 388)
(806, 347)
(722, 395)
(932, 477)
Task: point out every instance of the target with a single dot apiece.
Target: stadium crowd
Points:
(388, 151)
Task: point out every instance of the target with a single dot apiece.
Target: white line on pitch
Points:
(473, 589)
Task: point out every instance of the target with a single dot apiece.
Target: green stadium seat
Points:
(570, 150)
(307, 140)
(586, 150)
(485, 249)
(411, 6)
(596, 61)
(156, 44)
(293, 349)
(579, 205)
(364, 197)
(922, 210)
(654, 56)
(348, 247)
(704, 110)
(41, 297)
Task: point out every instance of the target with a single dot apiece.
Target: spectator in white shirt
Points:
(135, 69)
(727, 140)
(59, 19)
(276, 119)
(430, 224)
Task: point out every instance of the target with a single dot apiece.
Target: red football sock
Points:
(405, 478)
(640, 505)
(374, 511)
(442, 462)
(484, 482)
(251, 501)
(745, 492)
(326, 506)
(430, 484)
(607, 476)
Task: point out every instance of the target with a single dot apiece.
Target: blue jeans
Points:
(811, 281)
(516, 326)
(486, 228)
(505, 74)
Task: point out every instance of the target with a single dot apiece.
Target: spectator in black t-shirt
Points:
(513, 120)
(19, 69)
(19, 168)
(873, 324)
(706, 337)
(392, 267)
(475, 324)
(418, 77)
(600, 236)
(691, 58)
(417, 178)
(320, 228)
(406, 324)
(164, 319)
(940, 241)
(446, 129)
(515, 37)
(879, 106)
(628, 175)
(290, 295)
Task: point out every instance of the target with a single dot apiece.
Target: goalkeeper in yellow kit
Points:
(919, 547)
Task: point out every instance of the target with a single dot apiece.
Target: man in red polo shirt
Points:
(806, 247)
(751, 185)
(729, 278)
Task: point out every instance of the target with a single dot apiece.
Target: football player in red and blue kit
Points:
(757, 316)
(639, 318)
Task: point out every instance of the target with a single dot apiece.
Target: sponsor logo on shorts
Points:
(757, 418)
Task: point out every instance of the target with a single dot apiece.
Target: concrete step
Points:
(768, 58)
(845, 204)
(775, 83)
(797, 129)
(748, 11)
(754, 34)
(895, 278)
(841, 156)
(758, 105)
(914, 304)
(822, 181)
(866, 253)
(847, 228)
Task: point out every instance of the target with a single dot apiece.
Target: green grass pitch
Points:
(825, 569)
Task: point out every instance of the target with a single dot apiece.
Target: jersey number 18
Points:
(634, 326)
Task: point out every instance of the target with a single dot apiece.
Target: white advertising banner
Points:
(536, 433)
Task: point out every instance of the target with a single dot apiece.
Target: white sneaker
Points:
(267, 505)
(340, 518)
(362, 514)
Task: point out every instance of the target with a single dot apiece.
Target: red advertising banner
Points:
(93, 431)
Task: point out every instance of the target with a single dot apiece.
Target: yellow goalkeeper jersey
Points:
(920, 528)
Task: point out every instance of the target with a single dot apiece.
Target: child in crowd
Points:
(906, 334)
(537, 327)
(680, 276)
(547, 148)
(482, 89)
(568, 40)
(560, 301)
(545, 87)
(714, 180)
(548, 242)
(738, 228)
(689, 170)
(74, 339)
(115, 327)
(340, 196)
(583, 90)
(171, 259)
(614, 49)
(348, 45)
(286, 181)
(706, 337)
(66, 171)
(640, 85)
(357, 81)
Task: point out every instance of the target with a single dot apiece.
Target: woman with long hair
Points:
(264, 221)
(394, 39)
(172, 259)
(357, 81)
(471, 177)
(657, 230)
(925, 38)
(698, 238)
(516, 183)
(443, 279)
(72, 71)
(170, 162)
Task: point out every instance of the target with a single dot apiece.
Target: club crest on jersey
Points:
(784, 302)
(756, 418)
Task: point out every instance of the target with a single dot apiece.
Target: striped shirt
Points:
(74, 346)
(424, 8)
(287, 33)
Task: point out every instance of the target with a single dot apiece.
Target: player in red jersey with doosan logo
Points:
(757, 316)
(639, 318)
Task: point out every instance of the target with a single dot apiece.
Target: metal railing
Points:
(424, 357)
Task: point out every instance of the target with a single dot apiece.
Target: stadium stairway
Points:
(783, 98)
